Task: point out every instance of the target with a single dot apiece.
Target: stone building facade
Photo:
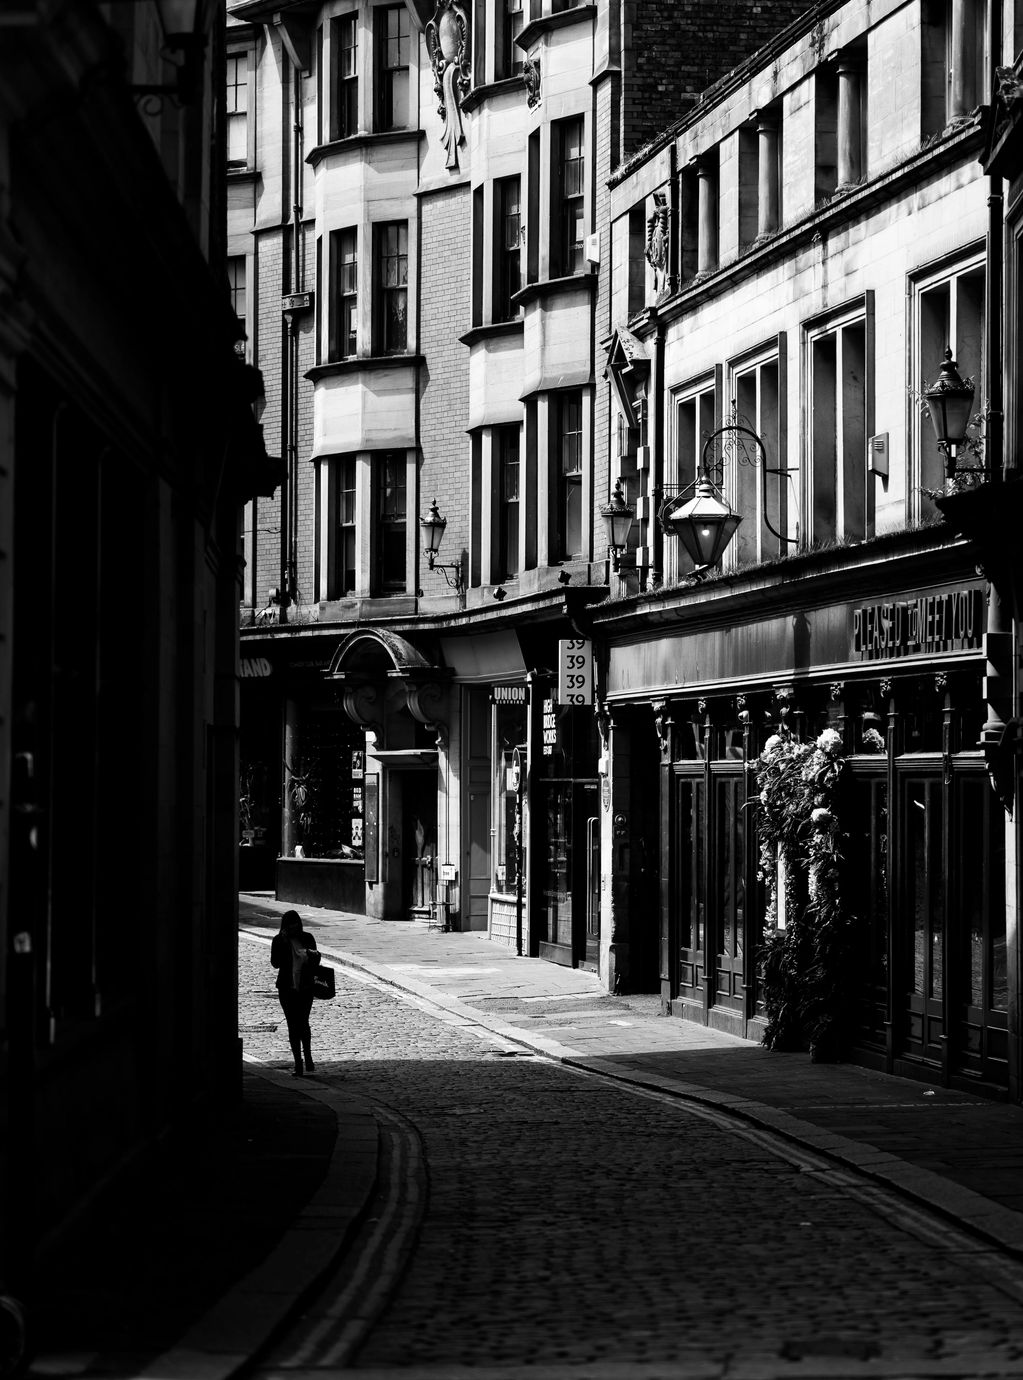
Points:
(829, 235)
(418, 238)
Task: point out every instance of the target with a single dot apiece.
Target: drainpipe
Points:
(998, 674)
(655, 424)
(655, 408)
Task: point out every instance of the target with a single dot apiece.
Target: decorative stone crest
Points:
(531, 76)
(447, 41)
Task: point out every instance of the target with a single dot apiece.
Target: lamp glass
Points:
(618, 518)
(433, 526)
(705, 525)
(178, 17)
(950, 403)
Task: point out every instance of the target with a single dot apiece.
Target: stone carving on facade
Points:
(657, 240)
(786, 700)
(531, 76)
(362, 704)
(427, 702)
(447, 41)
(663, 724)
(603, 717)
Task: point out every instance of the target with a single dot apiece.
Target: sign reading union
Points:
(913, 627)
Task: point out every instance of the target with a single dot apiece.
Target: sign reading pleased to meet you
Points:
(932, 623)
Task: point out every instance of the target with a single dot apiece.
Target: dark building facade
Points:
(127, 444)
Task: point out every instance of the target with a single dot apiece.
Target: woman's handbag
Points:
(323, 982)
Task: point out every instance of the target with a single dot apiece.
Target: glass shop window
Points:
(511, 734)
(324, 785)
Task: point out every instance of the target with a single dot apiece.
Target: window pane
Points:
(349, 47)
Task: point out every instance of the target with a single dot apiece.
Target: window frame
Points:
(857, 314)
(241, 59)
(506, 451)
(509, 58)
(343, 293)
(390, 524)
(926, 464)
(344, 93)
(384, 292)
(507, 251)
(704, 397)
(745, 486)
(568, 248)
(569, 482)
(387, 71)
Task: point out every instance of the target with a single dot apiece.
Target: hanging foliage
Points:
(809, 955)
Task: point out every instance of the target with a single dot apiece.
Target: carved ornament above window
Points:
(447, 41)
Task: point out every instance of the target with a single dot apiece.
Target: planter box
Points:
(333, 883)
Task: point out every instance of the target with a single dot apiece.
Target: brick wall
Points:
(674, 49)
(444, 315)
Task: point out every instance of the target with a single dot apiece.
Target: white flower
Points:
(772, 744)
(873, 741)
(821, 818)
(830, 741)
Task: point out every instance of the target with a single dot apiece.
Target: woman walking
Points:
(293, 953)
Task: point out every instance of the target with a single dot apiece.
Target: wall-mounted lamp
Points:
(184, 41)
(618, 519)
(500, 593)
(950, 403)
(564, 576)
(706, 523)
(433, 526)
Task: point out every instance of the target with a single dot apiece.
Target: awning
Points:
(485, 657)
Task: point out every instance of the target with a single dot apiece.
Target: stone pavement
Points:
(205, 1250)
(956, 1153)
(217, 1264)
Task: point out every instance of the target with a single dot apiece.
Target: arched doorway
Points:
(397, 694)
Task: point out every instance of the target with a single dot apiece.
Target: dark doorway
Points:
(418, 842)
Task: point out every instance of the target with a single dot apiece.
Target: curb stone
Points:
(247, 1319)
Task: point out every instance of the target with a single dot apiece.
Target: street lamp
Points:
(181, 22)
(707, 522)
(949, 402)
(434, 526)
(705, 525)
(618, 519)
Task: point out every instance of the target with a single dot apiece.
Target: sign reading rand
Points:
(914, 627)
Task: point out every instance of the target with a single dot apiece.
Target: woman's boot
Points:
(310, 1067)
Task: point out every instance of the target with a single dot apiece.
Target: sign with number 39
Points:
(575, 671)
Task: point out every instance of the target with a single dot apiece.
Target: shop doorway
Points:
(418, 863)
(476, 811)
(569, 903)
(950, 975)
(710, 884)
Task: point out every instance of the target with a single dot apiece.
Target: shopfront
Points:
(565, 829)
(894, 678)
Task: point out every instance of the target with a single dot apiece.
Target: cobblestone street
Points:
(548, 1218)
